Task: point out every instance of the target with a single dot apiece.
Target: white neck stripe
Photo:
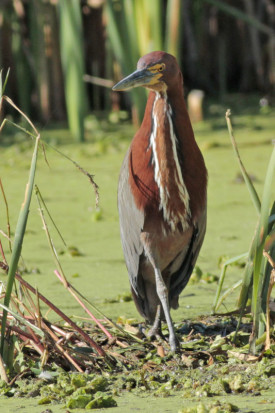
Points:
(172, 217)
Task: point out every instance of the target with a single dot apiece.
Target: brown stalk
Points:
(31, 302)
(60, 349)
(6, 98)
(21, 113)
(38, 309)
(34, 337)
(2, 253)
(72, 291)
(18, 376)
(22, 334)
(89, 176)
(37, 347)
(7, 214)
(60, 274)
(86, 337)
(95, 80)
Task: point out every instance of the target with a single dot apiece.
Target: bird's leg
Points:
(163, 296)
(161, 288)
(155, 330)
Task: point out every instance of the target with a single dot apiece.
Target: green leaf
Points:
(23, 320)
(259, 279)
(222, 277)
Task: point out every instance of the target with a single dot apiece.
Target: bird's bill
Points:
(142, 77)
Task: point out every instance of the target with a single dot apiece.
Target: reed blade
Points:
(125, 44)
(173, 33)
(18, 239)
(254, 196)
(259, 281)
(3, 85)
(72, 57)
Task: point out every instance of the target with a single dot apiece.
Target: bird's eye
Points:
(161, 67)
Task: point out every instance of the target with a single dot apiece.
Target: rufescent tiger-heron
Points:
(161, 194)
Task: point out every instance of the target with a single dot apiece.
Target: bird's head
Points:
(156, 70)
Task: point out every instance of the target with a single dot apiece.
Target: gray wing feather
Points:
(131, 225)
(181, 277)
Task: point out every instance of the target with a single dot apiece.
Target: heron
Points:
(162, 194)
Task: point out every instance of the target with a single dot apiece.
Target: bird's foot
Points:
(155, 332)
(174, 343)
(158, 335)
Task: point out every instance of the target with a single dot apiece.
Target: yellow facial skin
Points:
(155, 81)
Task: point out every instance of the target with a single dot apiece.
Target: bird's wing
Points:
(131, 225)
(181, 277)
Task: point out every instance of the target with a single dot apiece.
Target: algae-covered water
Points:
(97, 267)
(148, 404)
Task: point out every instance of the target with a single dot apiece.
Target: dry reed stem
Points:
(35, 342)
(71, 290)
(5, 235)
(22, 334)
(38, 309)
(21, 113)
(7, 214)
(89, 176)
(99, 81)
(18, 376)
(85, 336)
(60, 349)
(60, 274)
(30, 300)
(37, 346)
(34, 337)
(59, 331)
(2, 252)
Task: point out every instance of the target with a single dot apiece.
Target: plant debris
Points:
(208, 364)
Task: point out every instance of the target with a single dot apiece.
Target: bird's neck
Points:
(166, 159)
